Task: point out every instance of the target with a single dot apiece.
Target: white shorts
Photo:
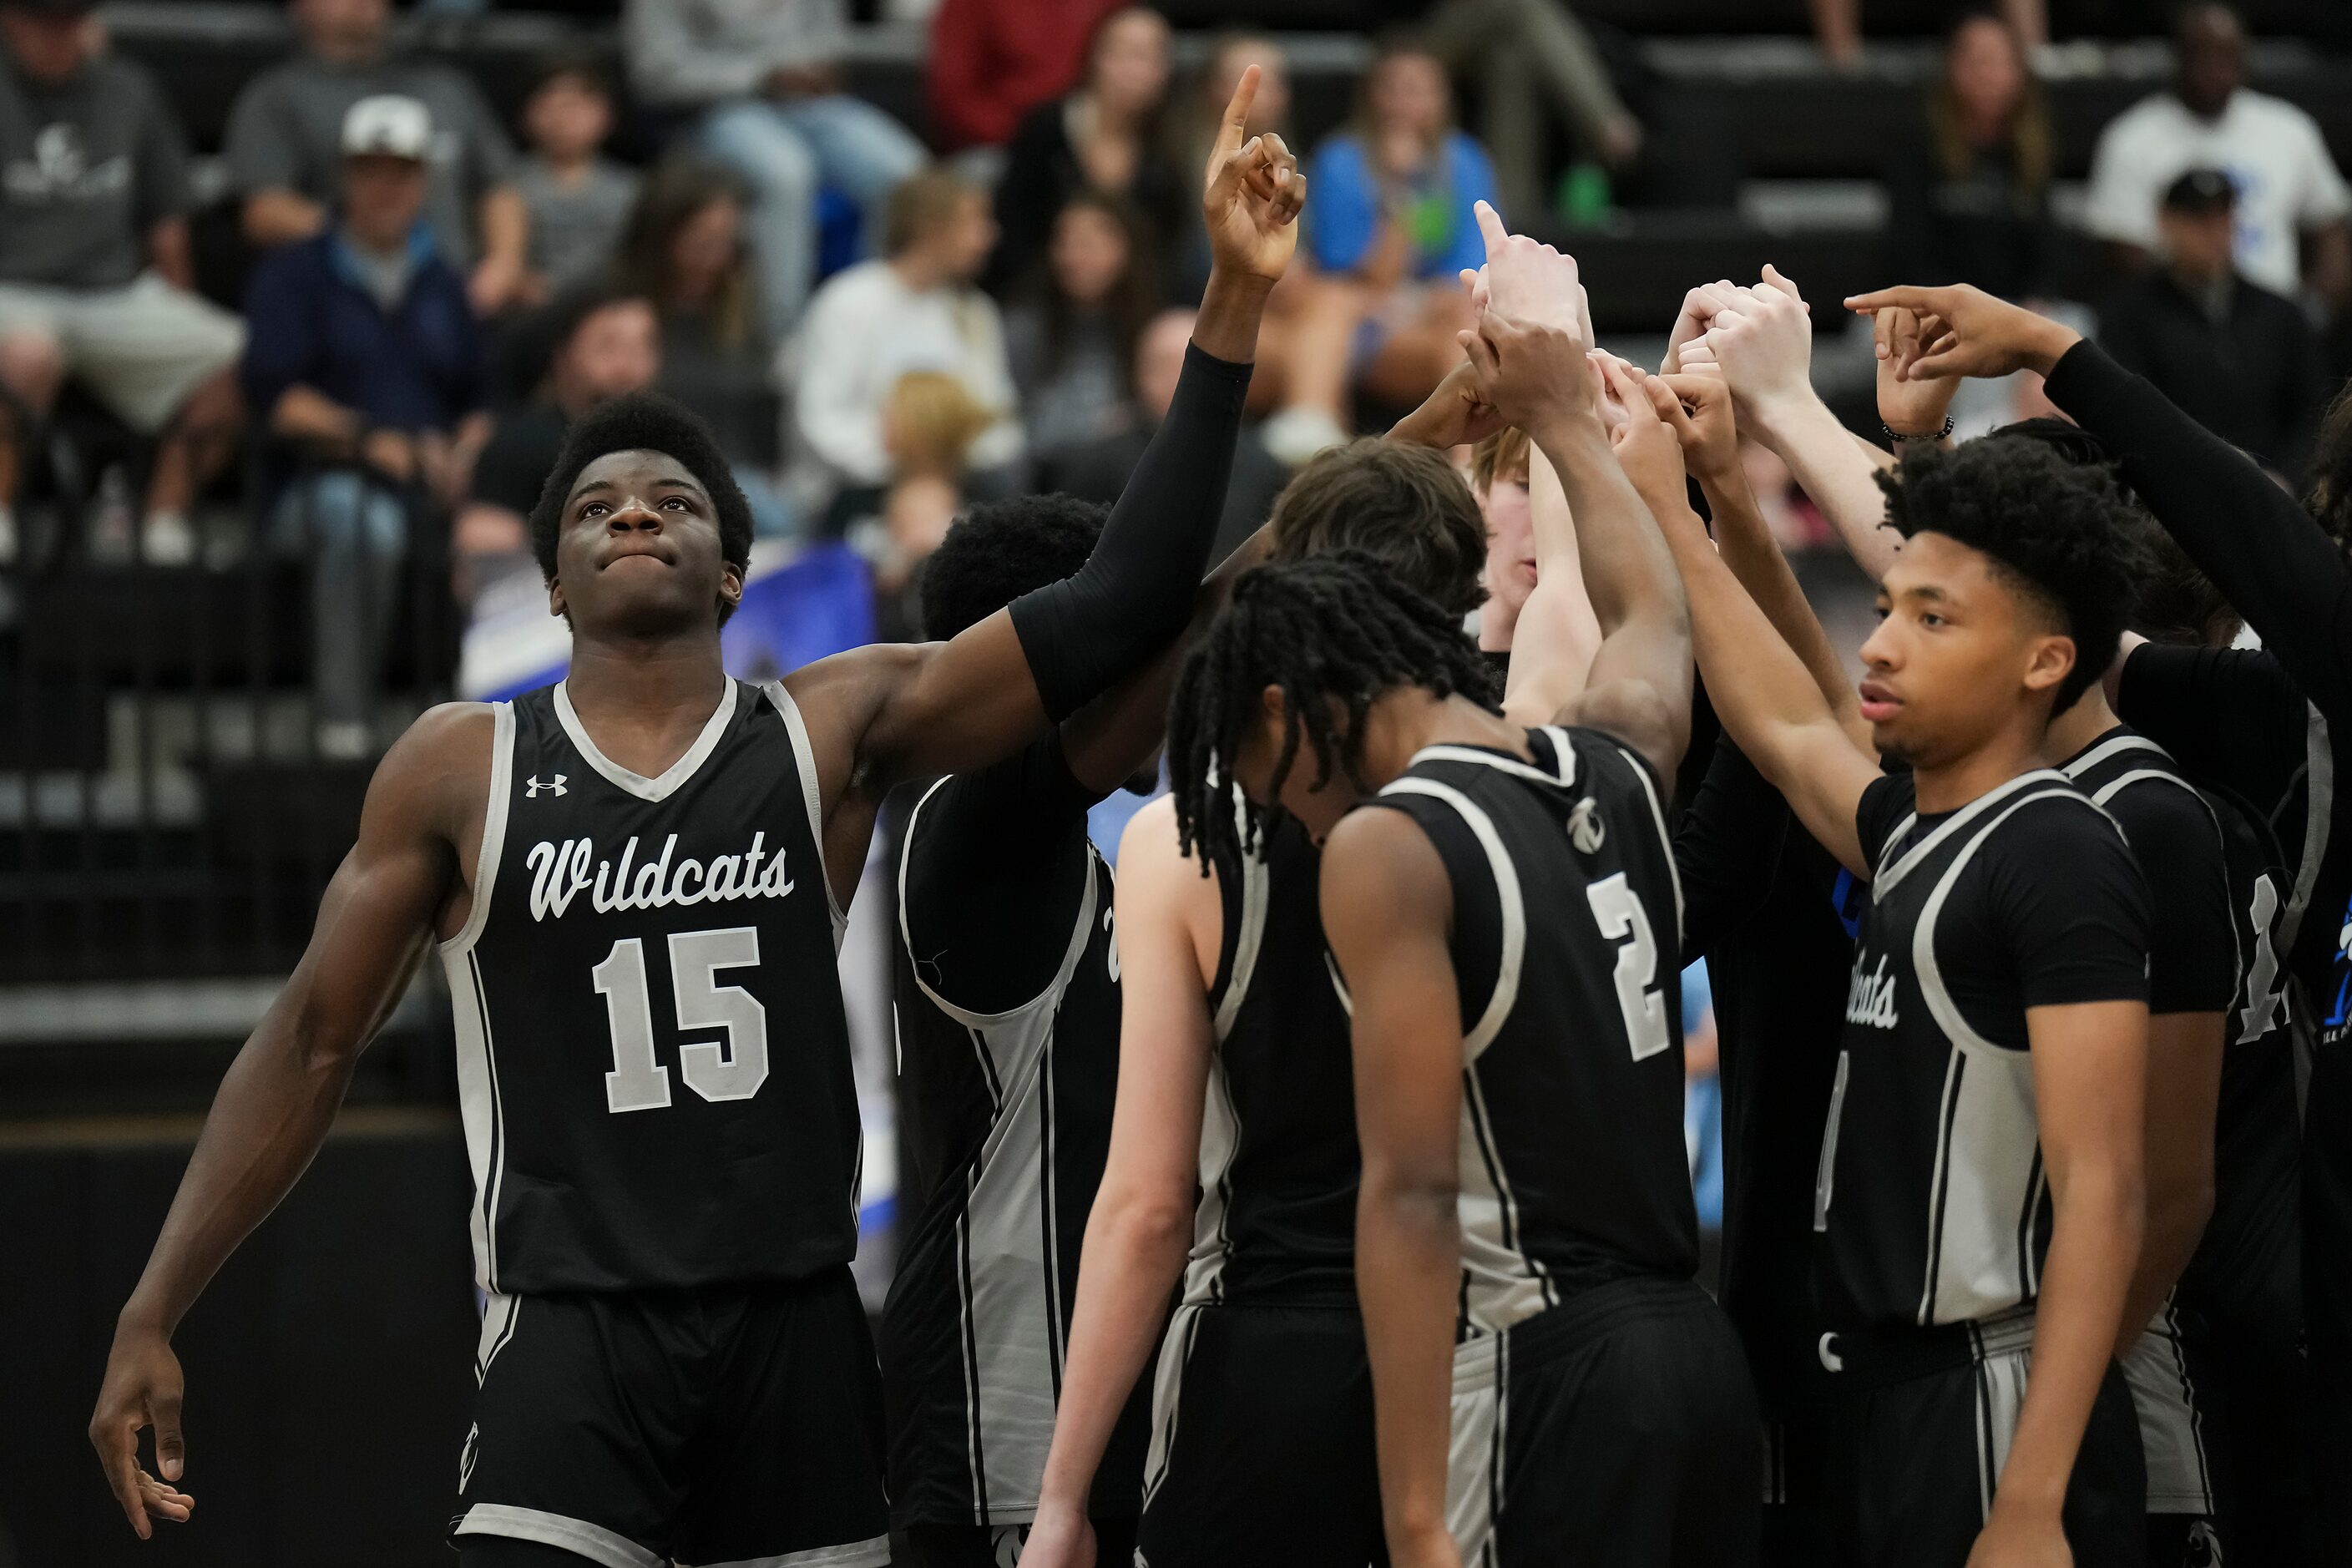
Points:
(140, 348)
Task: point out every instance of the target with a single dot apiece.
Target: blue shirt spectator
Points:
(1347, 198)
(412, 362)
(1703, 1100)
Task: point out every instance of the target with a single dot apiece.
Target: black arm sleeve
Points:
(1134, 595)
(2192, 940)
(2068, 902)
(1727, 846)
(2259, 547)
(995, 869)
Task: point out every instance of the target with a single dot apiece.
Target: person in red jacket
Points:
(993, 62)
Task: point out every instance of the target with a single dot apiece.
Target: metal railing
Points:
(175, 788)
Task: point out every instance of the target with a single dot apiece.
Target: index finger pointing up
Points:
(1235, 125)
(1490, 224)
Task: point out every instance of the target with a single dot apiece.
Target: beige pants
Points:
(140, 348)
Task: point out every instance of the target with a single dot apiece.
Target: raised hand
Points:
(1456, 414)
(1980, 336)
(1645, 443)
(1254, 194)
(1699, 410)
(1917, 406)
(1528, 282)
(1531, 373)
(1699, 307)
(1764, 341)
(142, 1388)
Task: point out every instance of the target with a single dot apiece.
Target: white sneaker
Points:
(169, 539)
(1298, 433)
(7, 536)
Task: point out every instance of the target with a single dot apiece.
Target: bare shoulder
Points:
(1377, 850)
(1635, 715)
(438, 771)
(1162, 888)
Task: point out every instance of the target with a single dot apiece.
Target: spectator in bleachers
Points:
(608, 342)
(1105, 136)
(993, 62)
(1390, 220)
(95, 275)
(364, 355)
(579, 200)
(1099, 472)
(285, 157)
(1192, 131)
(2289, 191)
(2240, 359)
(1499, 473)
(915, 308)
(684, 250)
(1837, 26)
(1971, 195)
(929, 424)
(1071, 336)
(766, 75)
(1508, 47)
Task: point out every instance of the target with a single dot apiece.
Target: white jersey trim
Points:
(478, 1107)
(494, 830)
(1071, 956)
(2318, 819)
(873, 1553)
(1506, 994)
(1887, 876)
(592, 1541)
(1255, 889)
(804, 755)
(636, 783)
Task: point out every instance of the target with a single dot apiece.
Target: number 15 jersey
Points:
(652, 1058)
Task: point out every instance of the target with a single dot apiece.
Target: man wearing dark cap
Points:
(94, 265)
(2239, 358)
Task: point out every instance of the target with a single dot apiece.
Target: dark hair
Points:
(535, 338)
(672, 196)
(643, 421)
(2328, 495)
(1336, 629)
(585, 67)
(1001, 550)
(2064, 531)
(1129, 306)
(1399, 504)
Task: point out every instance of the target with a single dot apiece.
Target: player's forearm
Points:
(1230, 309)
(1408, 1263)
(1556, 633)
(2184, 1086)
(1840, 479)
(1756, 681)
(1086, 633)
(1628, 576)
(1134, 1254)
(274, 1106)
(2094, 1245)
(1745, 544)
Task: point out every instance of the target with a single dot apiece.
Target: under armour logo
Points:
(531, 792)
(1585, 829)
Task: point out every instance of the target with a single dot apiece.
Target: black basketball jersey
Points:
(652, 1057)
(2249, 1239)
(1005, 1125)
(1566, 933)
(1932, 1205)
(1279, 1161)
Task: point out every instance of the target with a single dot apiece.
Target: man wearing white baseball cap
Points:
(365, 361)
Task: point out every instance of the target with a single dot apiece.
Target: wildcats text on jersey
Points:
(558, 873)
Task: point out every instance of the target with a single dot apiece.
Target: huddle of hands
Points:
(1737, 355)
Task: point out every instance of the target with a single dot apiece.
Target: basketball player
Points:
(1980, 1193)
(1008, 999)
(675, 1364)
(2271, 727)
(1530, 535)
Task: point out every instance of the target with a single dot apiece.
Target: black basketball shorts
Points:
(720, 1425)
(1917, 1423)
(1262, 1443)
(929, 1545)
(1618, 1428)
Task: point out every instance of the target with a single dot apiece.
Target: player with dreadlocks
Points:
(1234, 1082)
(1525, 1238)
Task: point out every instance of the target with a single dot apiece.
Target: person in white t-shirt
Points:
(2288, 187)
(916, 308)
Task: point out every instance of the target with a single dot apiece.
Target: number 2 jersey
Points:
(1567, 916)
(1932, 1206)
(652, 1057)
